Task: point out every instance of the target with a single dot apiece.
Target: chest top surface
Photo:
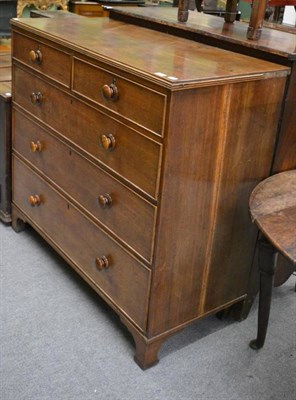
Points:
(170, 61)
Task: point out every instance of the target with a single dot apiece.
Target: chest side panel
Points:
(213, 159)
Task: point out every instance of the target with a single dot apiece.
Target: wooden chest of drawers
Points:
(134, 153)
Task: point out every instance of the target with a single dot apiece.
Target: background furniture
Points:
(256, 19)
(96, 9)
(60, 14)
(211, 7)
(87, 8)
(7, 11)
(5, 131)
(5, 153)
(258, 13)
(273, 210)
(133, 178)
(40, 5)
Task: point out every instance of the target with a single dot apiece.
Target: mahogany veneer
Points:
(135, 162)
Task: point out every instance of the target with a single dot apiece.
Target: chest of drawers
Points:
(134, 153)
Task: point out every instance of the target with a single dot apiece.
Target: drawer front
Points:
(43, 58)
(122, 211)
(135, 157)
(125, 281)
(138, 103)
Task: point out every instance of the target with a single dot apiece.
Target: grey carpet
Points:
(59, 341)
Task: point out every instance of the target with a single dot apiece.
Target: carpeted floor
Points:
(59, 341)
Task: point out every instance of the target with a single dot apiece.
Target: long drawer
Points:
(131, 100)
(118, 275)
(112, 203)
(43, 58)
(133, 156)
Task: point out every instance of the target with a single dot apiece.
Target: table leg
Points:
(199, 5)
(183, 10)
(231, 10)
(256, 19)
(267, 264)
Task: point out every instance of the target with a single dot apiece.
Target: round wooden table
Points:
(273, 209)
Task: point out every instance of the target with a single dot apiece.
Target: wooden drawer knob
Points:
(110, 92)
(108, 141)
(36, 97)
(102, 262)
(105, 200)
(35, 56)
(36, 147)
(35, 200)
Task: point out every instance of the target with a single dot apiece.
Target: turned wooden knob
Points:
(35, 56)
(105, 200)
(108, 141)
(35, 200)
(36, 147)
(110, 92)
(36, 97)
(102, 262)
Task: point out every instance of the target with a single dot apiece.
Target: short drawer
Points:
(43, 58)
(113, 271)
(135, 102)
(131, 155)
(121, 210)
